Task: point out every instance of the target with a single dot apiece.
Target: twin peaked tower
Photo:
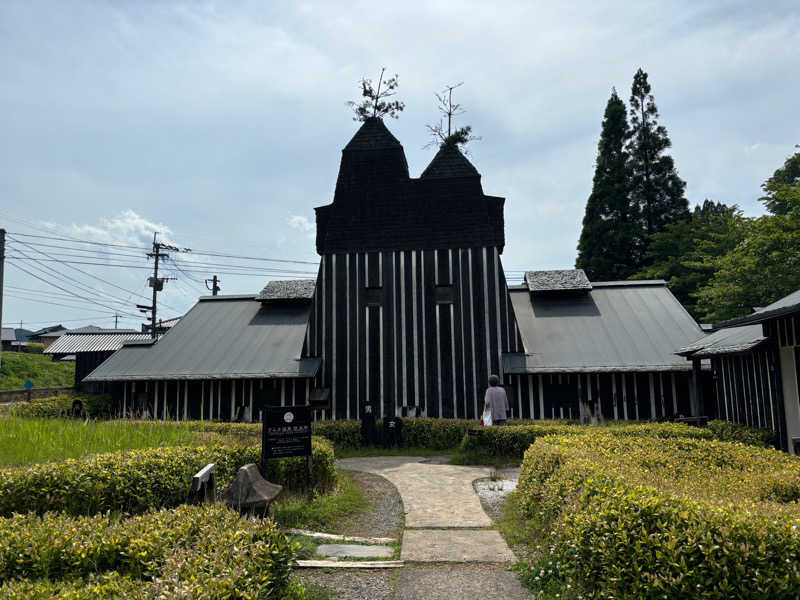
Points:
(411, 311)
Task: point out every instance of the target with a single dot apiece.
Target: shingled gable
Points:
(291, 290)
(378, 207)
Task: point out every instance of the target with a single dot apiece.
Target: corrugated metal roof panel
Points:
(221, 337)
(726, 341)
(76, 343)
(616, 327)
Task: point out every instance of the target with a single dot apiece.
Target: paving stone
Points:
(459, 582)
(455, 545)
(434, 495)
(355, 551)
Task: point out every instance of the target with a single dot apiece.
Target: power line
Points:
(272, 272)
(68, 280)
(24, 270)
(100, 279)
(193, 251)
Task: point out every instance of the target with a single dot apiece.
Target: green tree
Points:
(687, 252)
(447, 136)
(788, 174)
(656, 188)
(610, 243)
(764, 267)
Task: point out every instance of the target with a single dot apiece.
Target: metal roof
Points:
(617, 326)
(557, 280)
(108, 341)
(221, 337)
(8, 335)
(725, 341)
(289, 289)
(785, 306)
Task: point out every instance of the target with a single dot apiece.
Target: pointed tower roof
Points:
(449, 163)
(373, 135)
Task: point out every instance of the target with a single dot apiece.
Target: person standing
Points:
(496, 401)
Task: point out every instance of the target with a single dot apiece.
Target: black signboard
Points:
(287, 432)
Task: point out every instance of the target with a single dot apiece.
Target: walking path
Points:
(445, 521)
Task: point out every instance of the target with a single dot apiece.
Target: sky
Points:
(220, 125)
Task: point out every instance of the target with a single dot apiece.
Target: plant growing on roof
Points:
(447, 136)
(376, 103)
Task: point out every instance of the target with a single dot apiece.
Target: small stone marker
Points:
(355, 551)
(250, 492)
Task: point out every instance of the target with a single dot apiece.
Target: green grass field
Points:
(18, 367)
(25, 440)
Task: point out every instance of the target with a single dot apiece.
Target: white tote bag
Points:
(487, 417)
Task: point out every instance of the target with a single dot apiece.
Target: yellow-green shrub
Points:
(726, 431)
(60, 405)
(191, 551)
(511, 442)
(644, 517)
(137, 480)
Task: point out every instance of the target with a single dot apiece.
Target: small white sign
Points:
(288, 417)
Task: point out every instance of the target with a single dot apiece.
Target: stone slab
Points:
(355, 551)
(350, 564)
(455, 545)
(341, 538)
(434, 495)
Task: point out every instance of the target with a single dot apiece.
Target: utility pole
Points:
(116, 319)
(2, 263)
(214, 289)
(156, 282)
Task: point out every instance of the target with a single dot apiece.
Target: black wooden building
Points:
(756, 362)
(411, 309)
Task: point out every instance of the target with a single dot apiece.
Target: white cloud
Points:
(301, 223)
(127, 228)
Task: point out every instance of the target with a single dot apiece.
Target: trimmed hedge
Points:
(655, 517)
(732, 432)
(135, 481)
(192, 551)
(94, 405)
(511, 442)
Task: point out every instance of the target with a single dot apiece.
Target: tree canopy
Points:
(762, 268)
(655, 187)
(609, 247)
(686, 254)
(788, 174)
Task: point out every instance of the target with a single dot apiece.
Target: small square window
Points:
(445, 294)
(374, 296)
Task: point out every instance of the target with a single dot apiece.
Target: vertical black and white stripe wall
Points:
(419, 330)
(630, 395)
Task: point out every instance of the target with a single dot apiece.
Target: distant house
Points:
(8, 339)
(47, 335)
(597, 350)
(90, 346)
(755, 362)
(225, 359)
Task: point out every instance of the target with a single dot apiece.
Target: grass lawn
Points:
(27, 440)
(18, 367)
(322, 512)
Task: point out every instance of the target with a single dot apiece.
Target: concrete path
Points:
(444, 518)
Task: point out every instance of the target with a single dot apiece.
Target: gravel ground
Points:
(459, 583)
(349, 584)
(386, 517)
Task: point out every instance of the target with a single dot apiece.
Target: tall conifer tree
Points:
(656, 188)
(609, 246)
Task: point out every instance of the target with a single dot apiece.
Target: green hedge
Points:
(665, 517)
(732, 432)
(192, 551)
(511, 442)
(94, 405)
(138, 480)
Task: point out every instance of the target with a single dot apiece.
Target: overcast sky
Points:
(221, 124)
